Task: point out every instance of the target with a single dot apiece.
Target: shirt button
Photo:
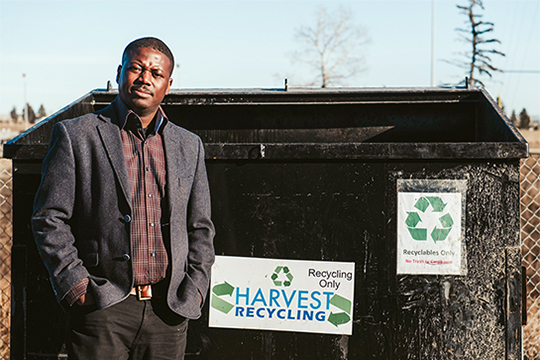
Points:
(153, 254)
(152, 224)
(126, 257)
(147, 168)
(127, 218)
(150, 195)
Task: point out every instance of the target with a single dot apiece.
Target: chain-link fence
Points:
(530, 250)
(5, 255)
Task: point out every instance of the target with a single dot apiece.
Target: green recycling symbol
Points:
(217, 302)
(413, 218)
(342, 317)
(276, 276)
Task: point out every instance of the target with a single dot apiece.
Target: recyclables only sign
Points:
(429, 233)
(286, 295)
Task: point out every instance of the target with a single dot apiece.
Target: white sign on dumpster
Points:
(429, 229)
(285, 295)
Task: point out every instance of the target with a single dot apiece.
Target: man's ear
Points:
(118, 71)
(169, 86)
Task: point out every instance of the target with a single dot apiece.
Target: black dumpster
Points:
(323, 175)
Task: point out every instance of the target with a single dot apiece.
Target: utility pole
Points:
(432, 42)
(25, 104)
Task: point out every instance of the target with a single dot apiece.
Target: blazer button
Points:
(126, 257)
(127, 218)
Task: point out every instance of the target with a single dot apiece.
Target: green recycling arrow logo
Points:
(414, 218)
(222, 290)
(342, 317)
(278, 279)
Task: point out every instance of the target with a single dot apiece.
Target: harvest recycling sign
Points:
(286, 295)
(429, 233)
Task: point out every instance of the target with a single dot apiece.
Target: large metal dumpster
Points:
(317, 175)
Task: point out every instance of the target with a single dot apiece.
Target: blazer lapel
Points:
(175, 162)
(112, 141)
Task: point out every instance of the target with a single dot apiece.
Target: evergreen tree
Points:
(514, 119)
(41, 112)
(14, 115)
(524, 119)
(31, 114)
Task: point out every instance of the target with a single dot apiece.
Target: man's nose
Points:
(144, 76)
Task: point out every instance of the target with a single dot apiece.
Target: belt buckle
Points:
(142, 294)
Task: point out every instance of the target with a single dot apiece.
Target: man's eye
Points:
(134, 69)
(157, 74)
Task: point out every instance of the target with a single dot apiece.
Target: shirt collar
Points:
(124, 113)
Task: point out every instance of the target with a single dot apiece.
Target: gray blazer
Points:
(82, 213)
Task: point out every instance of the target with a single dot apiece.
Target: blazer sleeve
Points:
(200, 227)
(53, 211)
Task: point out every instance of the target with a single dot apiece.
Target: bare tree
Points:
(333, 47)
(480, 58)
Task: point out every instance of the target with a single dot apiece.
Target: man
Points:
(122, 219)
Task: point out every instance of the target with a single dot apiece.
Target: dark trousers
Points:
(130, 330)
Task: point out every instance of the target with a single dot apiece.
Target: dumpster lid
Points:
(303, 124)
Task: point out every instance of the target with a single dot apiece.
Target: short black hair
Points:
(149, 42)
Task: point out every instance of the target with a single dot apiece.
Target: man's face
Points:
(144, 80)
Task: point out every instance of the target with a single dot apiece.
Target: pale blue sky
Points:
(68, 48)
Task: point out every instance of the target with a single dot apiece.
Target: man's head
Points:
(144, 77)
(150, 42)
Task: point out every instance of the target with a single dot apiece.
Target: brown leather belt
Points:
(143, 292)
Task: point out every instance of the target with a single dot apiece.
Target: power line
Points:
(522, 71)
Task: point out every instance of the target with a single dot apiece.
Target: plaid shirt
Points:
(145, 162)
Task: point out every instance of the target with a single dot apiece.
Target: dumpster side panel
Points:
(464, 316)
(342, 211)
